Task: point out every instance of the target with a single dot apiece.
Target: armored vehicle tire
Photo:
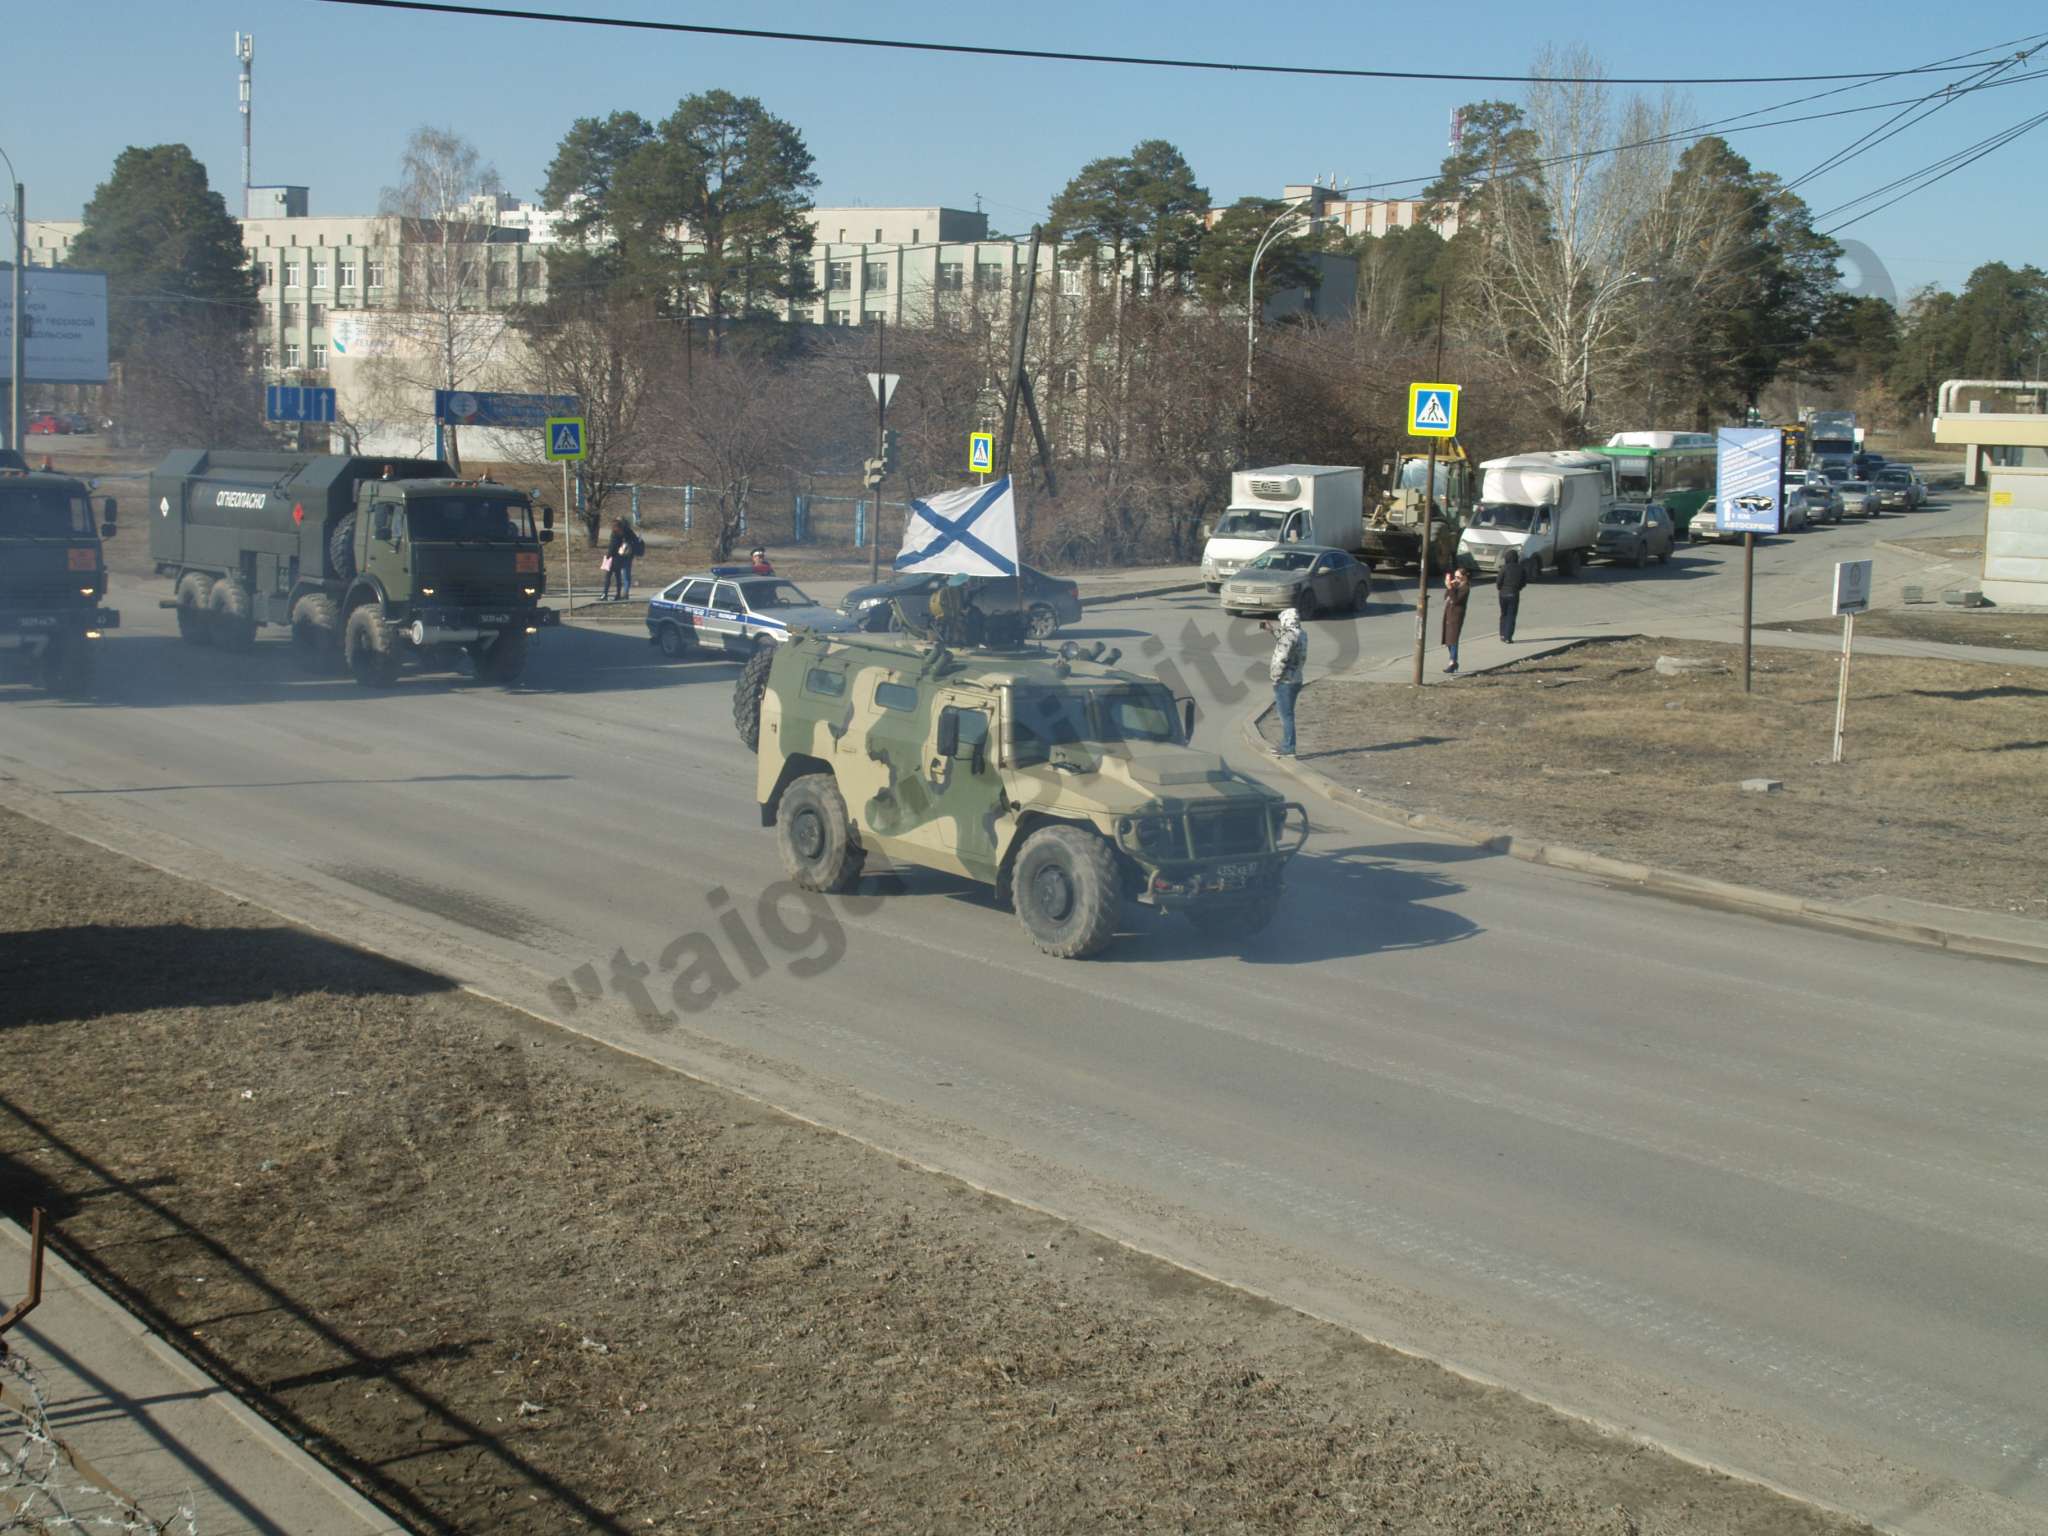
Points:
(341, 547)
(1065, 889)
(673, 641)
(67, 666)
(504, 659)
(815, 835)
(316, 632)
(228, 607)
(746, 697)
(194, 620)
(1043, 623)
(371, 647)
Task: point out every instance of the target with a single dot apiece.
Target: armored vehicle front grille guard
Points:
(1237, 831)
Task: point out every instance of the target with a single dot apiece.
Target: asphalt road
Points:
(1771, 1196)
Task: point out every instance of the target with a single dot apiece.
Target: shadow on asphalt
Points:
(160, 671)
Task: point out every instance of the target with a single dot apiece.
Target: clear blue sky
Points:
(338, 89)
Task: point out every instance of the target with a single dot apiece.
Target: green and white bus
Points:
(1674, 468)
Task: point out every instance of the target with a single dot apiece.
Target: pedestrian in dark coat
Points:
(1511, 581)
(1457, 590)
(620, 552)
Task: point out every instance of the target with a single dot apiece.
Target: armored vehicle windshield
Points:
(1104, 717)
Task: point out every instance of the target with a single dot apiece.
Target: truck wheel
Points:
(316, 632)
(1043, 623)
(372, 648)
(746, 697)
(228, 608)
(1065, 891)
(67, 667)
(816, 837)
(341, 548)
(194, 619)
(505, 660)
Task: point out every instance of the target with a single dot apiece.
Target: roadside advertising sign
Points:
(1749, 475)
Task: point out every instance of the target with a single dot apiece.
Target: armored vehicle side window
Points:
(973, 726)
(38, 512)
(896, 696)
(726, 598)
(696, 592)
(1136, 716)
(1045, 718)
(823, 681)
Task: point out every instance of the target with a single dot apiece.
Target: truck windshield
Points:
(1044, 718)
(42, 512)
(1510, 515)
(467, 519)
(1248, 525)
(1415, 471)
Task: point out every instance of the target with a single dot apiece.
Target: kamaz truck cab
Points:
(53, 575)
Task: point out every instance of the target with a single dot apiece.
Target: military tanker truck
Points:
(370, 561)
(53, 576)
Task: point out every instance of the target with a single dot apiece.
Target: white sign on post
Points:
(65, 335)
(1852, 587)
(884, 385)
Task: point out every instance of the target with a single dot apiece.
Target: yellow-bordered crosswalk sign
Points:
(981, 453)
(1432, 410)
(566, 438)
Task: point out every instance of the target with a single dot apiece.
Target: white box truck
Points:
(1547, 506)
(1286, 504)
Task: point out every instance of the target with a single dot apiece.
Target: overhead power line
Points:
(983, 50)
(1919, 181)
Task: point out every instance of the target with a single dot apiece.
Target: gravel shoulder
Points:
(1593, 748)
(510, 1281)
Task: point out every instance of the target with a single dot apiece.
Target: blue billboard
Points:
(1749, 480)
(479, 408)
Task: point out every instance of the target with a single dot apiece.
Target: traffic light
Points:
(891, 458)
(874, 470)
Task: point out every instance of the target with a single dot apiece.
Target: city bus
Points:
(1674, 468)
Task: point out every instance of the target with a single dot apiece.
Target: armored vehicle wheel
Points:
(1065, 890)
(746, 696)
(316, 632)
(228, 608)
(1043, 623)
(504, 660)
(815, 835)
(371, 647)
(341, 547)
(673, 641)
(194, 594)
(67, 667)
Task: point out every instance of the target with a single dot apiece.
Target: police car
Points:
(731, 608)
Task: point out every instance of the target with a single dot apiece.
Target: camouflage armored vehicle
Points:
(369, 560)
(53, 575)
(1067, 785)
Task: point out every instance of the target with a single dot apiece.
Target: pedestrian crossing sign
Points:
(981, 453)
(1432, 410)
(565, 438)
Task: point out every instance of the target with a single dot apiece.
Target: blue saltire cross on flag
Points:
(971, 531)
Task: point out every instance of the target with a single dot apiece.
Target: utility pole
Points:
(1428, 509)
(881, 446)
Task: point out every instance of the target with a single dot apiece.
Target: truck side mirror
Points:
(107, 518)
(1187, 719)
(949, 731)
(547, 518)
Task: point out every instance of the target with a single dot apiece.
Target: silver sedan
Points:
(1308, 578)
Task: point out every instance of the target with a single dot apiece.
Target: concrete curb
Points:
(1648, 877)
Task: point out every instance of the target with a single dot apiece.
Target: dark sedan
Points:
(1049, 601)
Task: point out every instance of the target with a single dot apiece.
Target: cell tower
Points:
(245, 54)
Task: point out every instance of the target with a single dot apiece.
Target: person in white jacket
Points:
(1290, 654)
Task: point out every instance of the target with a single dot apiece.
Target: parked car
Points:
(1309, 578)
(1899, 489)
(1860, 497)
(48, 422)
(1706, 524)
(1049, 601)
(731, 608)
(1866, 465)
(80, 422)
(1823, 498)
(1635, 531)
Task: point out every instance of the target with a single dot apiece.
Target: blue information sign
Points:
(477, 408)
(1749, 480)
(296, 402)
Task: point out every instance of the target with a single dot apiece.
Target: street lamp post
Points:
(1251, 307)
(14, 346)
(1600, 298)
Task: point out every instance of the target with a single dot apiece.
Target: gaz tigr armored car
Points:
(53, 575)
(1067, 785)
(370, 561)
